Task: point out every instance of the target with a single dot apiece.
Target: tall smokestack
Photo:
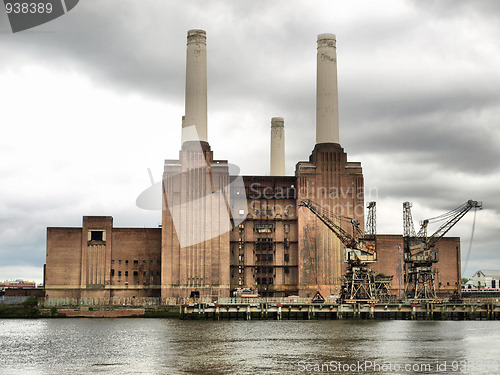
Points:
(327, 104)
(277, 146)
(196, 87)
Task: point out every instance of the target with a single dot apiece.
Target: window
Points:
(287, 270)
(264, 228)
(144, 273)
(287, 257)
(144, 261)
(151, 273)
(136, 262)
(126, 261)
(119, 273)
(158, 273)
(136, 273)
(96, 235)
(112, 272)
(287, 228)
(126, 273)
(151, 261)
(119, 261)
(112, 261)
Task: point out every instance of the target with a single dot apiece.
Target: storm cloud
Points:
(94, 98)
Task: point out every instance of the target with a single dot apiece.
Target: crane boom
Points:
(355, 242)
(451, 218)
(344, 237)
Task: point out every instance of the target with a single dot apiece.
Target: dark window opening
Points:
(136, 273)
(119, 273)
(96, 235)
(136, 261)
(126, 273)
(112, 272)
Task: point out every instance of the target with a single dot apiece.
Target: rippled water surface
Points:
(169, 346)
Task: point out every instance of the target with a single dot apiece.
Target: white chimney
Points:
(327, 104)
(196, 87)
(277, 146)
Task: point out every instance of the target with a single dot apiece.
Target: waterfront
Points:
(170, 346)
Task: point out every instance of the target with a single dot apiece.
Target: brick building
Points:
(221, 231)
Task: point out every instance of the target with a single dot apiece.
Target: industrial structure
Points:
(279, 235)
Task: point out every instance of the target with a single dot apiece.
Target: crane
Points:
(371, 220)
(420, 251)
(359, 281)
(357, 249)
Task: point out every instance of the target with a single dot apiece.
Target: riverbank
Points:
(263, 310)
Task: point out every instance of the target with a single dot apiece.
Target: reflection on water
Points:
(168, 346)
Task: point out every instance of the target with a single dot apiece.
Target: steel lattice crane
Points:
(420, 252)
(359, 284)
(371, 220)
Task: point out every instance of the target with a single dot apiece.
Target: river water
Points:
(170, 346)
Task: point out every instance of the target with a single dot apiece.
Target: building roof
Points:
(489, 273)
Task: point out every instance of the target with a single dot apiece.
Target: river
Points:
(170, 346)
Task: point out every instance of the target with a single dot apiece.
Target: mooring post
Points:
(249, 314)
(413, 311)
(372, 310)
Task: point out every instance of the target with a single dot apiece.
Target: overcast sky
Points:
(91, 100)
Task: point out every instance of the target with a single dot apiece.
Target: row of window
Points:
(136, 261)
(264, 281)
(135, 273)
(264, 270)
(264, 228)
(264, 257)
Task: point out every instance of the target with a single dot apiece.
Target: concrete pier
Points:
(281, 310)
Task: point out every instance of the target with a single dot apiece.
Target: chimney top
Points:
(277, 122)
(197, 36)
(327, 36)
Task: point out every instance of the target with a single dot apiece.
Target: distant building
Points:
(18, 284)
(484, 279)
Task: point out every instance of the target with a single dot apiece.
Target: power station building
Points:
(221, 231)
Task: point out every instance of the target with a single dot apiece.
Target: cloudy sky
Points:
(93, 99)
